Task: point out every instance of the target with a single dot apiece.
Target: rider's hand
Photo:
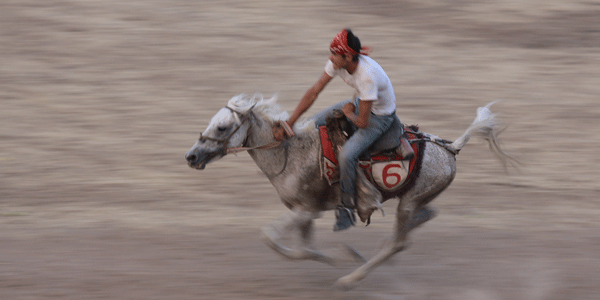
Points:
(278, 132)
(281, 130)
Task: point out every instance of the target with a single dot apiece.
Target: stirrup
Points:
(345, 218)
(405, 149)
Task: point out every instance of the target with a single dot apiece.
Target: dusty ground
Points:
(99, 101)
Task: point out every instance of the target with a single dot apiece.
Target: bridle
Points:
(225, 141)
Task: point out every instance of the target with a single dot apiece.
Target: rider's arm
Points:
(364, 113)
(309, 97)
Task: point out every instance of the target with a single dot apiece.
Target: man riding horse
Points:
(373, 112)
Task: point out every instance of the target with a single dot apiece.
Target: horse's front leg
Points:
(397, 243)
(295, 219)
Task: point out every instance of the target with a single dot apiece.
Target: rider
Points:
(373, 111)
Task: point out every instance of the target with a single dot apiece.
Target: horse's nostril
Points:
(191, 158)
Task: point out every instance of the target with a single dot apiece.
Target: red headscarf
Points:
(339, 45)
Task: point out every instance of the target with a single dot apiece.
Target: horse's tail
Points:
(485, 127)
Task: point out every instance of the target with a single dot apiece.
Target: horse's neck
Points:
(283, 157)
(261, 133)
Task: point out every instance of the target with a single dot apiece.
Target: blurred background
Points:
(100, 100)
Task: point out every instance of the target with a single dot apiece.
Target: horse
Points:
(293, 168)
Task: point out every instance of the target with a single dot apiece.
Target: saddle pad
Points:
(388, 172)
(387, 175)
(330, 163)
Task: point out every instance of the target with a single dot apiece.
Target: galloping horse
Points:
(293, 167)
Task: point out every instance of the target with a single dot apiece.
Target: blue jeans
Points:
(358, 143)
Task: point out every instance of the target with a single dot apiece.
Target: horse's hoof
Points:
(345, 283)
(268, 237)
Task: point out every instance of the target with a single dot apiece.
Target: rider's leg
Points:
(360, 141)
(320, 118)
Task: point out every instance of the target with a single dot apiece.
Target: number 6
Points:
(386, 174)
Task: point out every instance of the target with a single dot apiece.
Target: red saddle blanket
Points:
(389, 172)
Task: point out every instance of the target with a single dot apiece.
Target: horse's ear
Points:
(236, 116)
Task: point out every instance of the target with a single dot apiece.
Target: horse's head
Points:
(227, 129)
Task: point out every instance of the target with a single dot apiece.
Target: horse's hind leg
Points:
(301, 220)
(406, 220)
(421, 216)
(398, 243)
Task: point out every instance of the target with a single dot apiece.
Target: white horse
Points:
(293, 167)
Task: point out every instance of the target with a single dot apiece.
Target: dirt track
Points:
(99, 101)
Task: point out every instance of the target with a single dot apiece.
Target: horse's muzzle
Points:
(193, 160)
(198, 159)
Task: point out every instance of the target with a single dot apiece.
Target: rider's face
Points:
(339, 60)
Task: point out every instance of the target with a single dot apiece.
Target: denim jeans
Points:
(359, 142)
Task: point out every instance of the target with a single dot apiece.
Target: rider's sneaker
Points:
(345, 218)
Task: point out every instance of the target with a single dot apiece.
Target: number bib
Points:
(390, 175)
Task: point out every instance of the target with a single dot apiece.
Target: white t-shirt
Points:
(371, 84)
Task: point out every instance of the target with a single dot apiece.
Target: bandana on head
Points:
(339, 45)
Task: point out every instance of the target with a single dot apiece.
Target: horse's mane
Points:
(267, 108)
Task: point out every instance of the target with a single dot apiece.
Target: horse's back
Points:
(438, 170)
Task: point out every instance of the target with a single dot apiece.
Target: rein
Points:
(241, 149)
(225, 140)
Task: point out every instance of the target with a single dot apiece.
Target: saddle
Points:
(387, 170)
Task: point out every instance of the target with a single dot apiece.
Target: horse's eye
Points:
(222, 129)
